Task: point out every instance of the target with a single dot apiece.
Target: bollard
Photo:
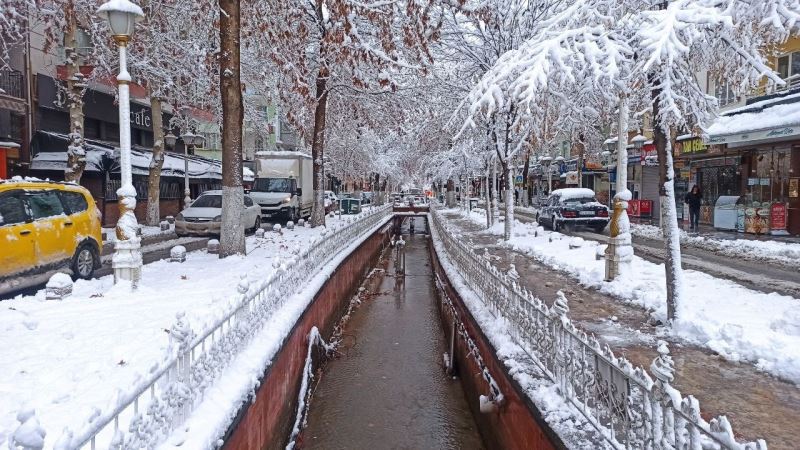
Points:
(260, 233)
(58, 287)
(170, 219)
(301, 223)
(290, 225)
(213, 246)
(164, 225)
(29, 435)
(276, 228)
(177, 254)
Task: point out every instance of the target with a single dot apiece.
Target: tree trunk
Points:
(526, 188)
(669, 215)
(581, 154)
(495, 187)
(509, 198)
(154, 176)
(318, 148)
(232, 234)
(76, 154)
(488, 199)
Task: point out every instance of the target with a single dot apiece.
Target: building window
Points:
(789, 65)
(724, 93)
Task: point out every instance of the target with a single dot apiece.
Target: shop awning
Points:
(772, 123)
(50, 153)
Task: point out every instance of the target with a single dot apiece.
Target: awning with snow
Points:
(50, 153)
(751, 124)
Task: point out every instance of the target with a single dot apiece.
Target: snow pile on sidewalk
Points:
(738, 323)
(69, 359)
(784, 253)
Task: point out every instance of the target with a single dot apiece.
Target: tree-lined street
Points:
(607, 190)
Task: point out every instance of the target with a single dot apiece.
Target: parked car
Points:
(44, 228)
(573, 207)
(204, 215)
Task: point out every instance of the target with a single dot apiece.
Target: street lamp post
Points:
(122, 16)
(189, 140)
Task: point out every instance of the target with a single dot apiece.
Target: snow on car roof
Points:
(570, 193)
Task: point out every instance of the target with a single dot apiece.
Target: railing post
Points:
(663, 369)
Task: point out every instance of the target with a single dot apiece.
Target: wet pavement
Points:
(757, 404)
(388, 389)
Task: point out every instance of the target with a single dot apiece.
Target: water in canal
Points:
(388, 389)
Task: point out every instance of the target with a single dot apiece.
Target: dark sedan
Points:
(573, 207)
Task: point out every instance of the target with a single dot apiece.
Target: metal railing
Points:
(12, 83)
(149, 412)
(626, 406)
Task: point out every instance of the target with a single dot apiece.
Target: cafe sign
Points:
(688, 146)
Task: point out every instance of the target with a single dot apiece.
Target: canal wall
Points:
(517, 423)
(267, 421)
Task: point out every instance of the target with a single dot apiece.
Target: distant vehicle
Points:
(44, 228)
(331, 202)
(204, 215)
(283, 185)
(366, 197)
(573, 207)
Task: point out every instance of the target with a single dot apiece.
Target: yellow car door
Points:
(17, 235)
(55, 231)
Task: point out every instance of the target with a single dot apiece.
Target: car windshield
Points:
(579, 200)
(208, 201)
(272, 185)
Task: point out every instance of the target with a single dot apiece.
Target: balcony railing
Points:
(12, 83)
(772, 89)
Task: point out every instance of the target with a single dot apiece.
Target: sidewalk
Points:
(758, 405)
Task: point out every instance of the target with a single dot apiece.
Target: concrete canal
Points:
(387, 388)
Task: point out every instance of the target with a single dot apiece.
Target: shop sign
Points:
(755, 220)
(758, 181)
(693, 145)
(774, 133)
(777, 216)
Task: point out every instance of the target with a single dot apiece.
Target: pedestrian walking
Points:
(693, 199)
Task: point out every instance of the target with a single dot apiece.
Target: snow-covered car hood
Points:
(205, 213)
(268, 197)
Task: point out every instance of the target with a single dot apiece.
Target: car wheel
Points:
(599, 228)
(83, 261)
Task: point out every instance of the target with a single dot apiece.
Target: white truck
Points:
(283, 187)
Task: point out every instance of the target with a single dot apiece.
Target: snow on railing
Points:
(627, 407)
(157, 406)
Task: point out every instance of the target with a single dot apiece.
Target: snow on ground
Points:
(147, 231)
(68, 358)
(238, 381)
(562, 416)
(738, 323)
(785, 253)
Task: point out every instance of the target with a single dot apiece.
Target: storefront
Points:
(762, 165)
(9, 152)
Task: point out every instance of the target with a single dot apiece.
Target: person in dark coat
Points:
(693, 199)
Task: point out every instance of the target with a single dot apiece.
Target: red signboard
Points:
(646, 208)
(640, 208)
(777, 216)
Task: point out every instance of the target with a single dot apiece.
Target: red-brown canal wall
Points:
(517, 424)
(267, 422)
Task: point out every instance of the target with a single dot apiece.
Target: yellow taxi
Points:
(44, 227)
